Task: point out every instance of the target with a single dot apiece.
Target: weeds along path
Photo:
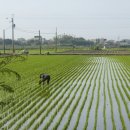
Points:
(85, 92)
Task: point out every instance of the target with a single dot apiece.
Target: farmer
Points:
(43, 78)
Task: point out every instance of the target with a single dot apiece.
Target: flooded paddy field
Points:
(85, 93)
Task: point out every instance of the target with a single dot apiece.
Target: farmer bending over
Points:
(43, 78)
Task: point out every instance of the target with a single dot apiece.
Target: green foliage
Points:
(77, 41)
(4, 69)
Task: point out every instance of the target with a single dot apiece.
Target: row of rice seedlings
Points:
(61, 104)
(119, 89)
(7, 108)
(31, 105)
(111, 103)
(21, 87)
(98, 98)
(124, 71)
(18, 99)
(35, 110)
(104, 105)
(32, 112)
(92, 97)
(123, 99)
(73, 109)
(77, 102)
(20, 104)
(17, 105)
(12, 114)
(18, 113)
(81, 108)
(65, 107)
(104, 108)
(89, 75)
(53, 116)
(60, 114)
(123, 78)
(24, 81)
(41, 119)
(58, 101)
(125, 62)
(125, 68)
(117, 99)
(28, 108)
(51, 74)
(126, 78)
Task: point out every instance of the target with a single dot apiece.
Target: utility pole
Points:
(73, 38)
(40, 42)
(4, 40)
(13, 26)
(56, 41)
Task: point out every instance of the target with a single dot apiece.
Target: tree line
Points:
(61, 40)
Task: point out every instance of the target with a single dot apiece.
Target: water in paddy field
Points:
(115, 107)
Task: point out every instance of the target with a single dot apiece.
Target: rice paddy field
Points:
(85, 93)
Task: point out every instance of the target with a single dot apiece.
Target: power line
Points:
(26, 31)
(9, 27)
(29, 31)
(48, 33)
(112, 17)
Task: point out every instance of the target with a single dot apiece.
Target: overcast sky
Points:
(83, 18)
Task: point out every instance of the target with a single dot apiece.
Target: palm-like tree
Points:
(4, 62)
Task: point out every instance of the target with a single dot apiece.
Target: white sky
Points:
(87, 18)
